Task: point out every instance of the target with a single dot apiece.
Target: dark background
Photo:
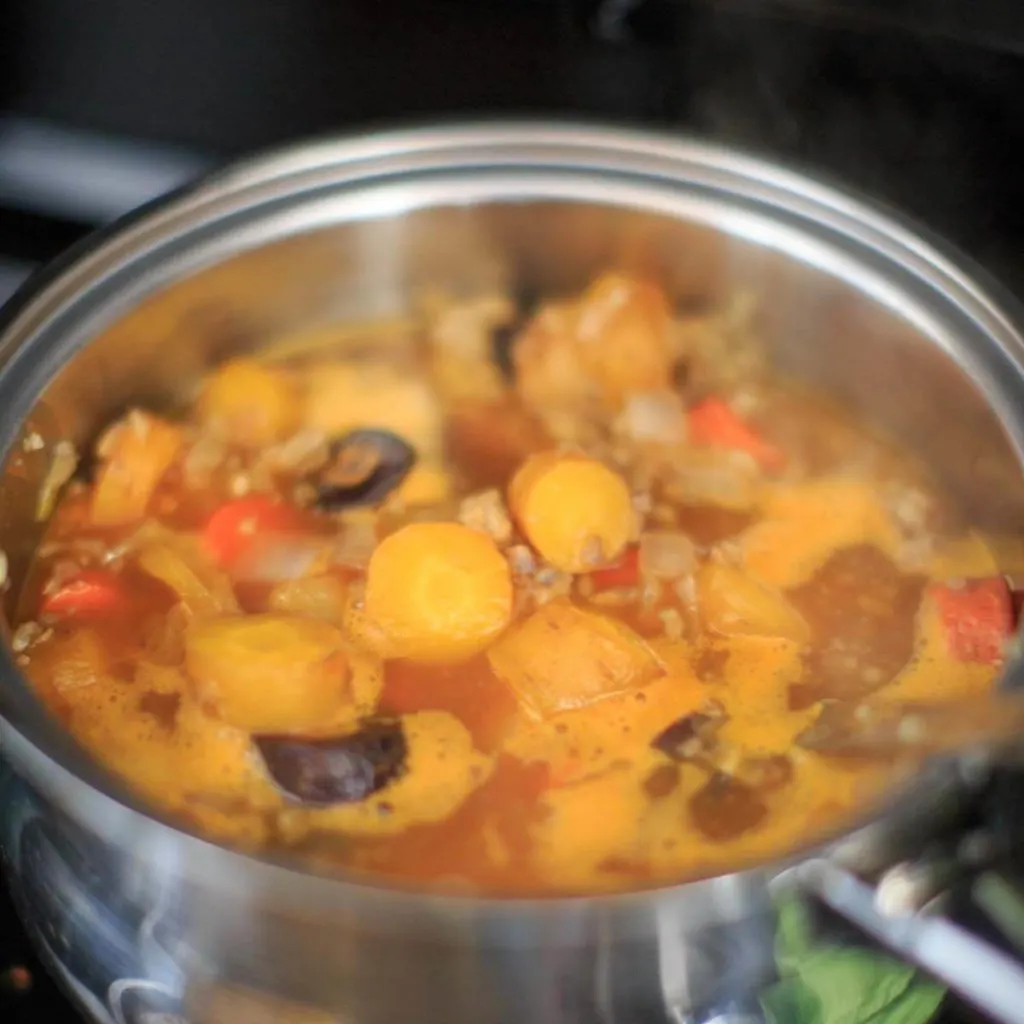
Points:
(915, 101)
(106, 102)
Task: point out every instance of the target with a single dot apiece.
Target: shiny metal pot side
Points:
(135, 913)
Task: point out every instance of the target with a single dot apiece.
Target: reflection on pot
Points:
(91, 934)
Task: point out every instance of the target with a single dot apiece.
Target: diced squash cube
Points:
(733, 603)
(563, 657)
(249, 404)
(373, 396)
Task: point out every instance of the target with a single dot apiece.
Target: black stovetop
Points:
(27, 993)
(106, 104)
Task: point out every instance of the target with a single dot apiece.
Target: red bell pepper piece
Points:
(89, 592)
(976, 617)
(231, 530)
(623, 573)
(714, 424)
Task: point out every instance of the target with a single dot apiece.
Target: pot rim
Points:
(360, 162)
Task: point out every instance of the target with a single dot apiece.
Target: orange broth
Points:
(632, 721)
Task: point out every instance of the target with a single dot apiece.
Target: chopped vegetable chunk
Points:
(338, 769)
(89, 592)
(364, 468)
(575, 511)
(266, 673)
(318, 597)
(623, 572)
(624, 332)
(732, 602)
(203, 590)
(342, 397)
(616, 341)
(977, 618)
(236, 524)
(249, 404)
(135, 453)
(437, 592)
(713, 423)
(563, 657)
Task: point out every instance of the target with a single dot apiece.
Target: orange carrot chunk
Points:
(976, 618)
(232, 529)
(270, 672)
(575, 511)
(713, 424)
(89, 592)
(435, 592)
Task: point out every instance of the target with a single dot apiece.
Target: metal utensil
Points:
(986, 977)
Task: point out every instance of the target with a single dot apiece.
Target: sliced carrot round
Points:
(575, 511)
(269, 672)
(437, 592)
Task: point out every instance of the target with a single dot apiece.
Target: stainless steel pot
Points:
(132, 910)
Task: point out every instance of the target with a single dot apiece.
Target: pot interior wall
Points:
(818, 325)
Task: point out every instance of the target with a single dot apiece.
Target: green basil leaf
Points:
(849, 990)
(793, 934)
(917, 1005)
(852, 985)
(838, 985)
(791, 1002)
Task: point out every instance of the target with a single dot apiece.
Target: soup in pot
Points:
(503, 601)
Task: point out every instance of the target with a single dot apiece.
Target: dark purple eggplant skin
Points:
(662, 781)
(689, 736)
(724, 808)
(336, 769)
(365, 466)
